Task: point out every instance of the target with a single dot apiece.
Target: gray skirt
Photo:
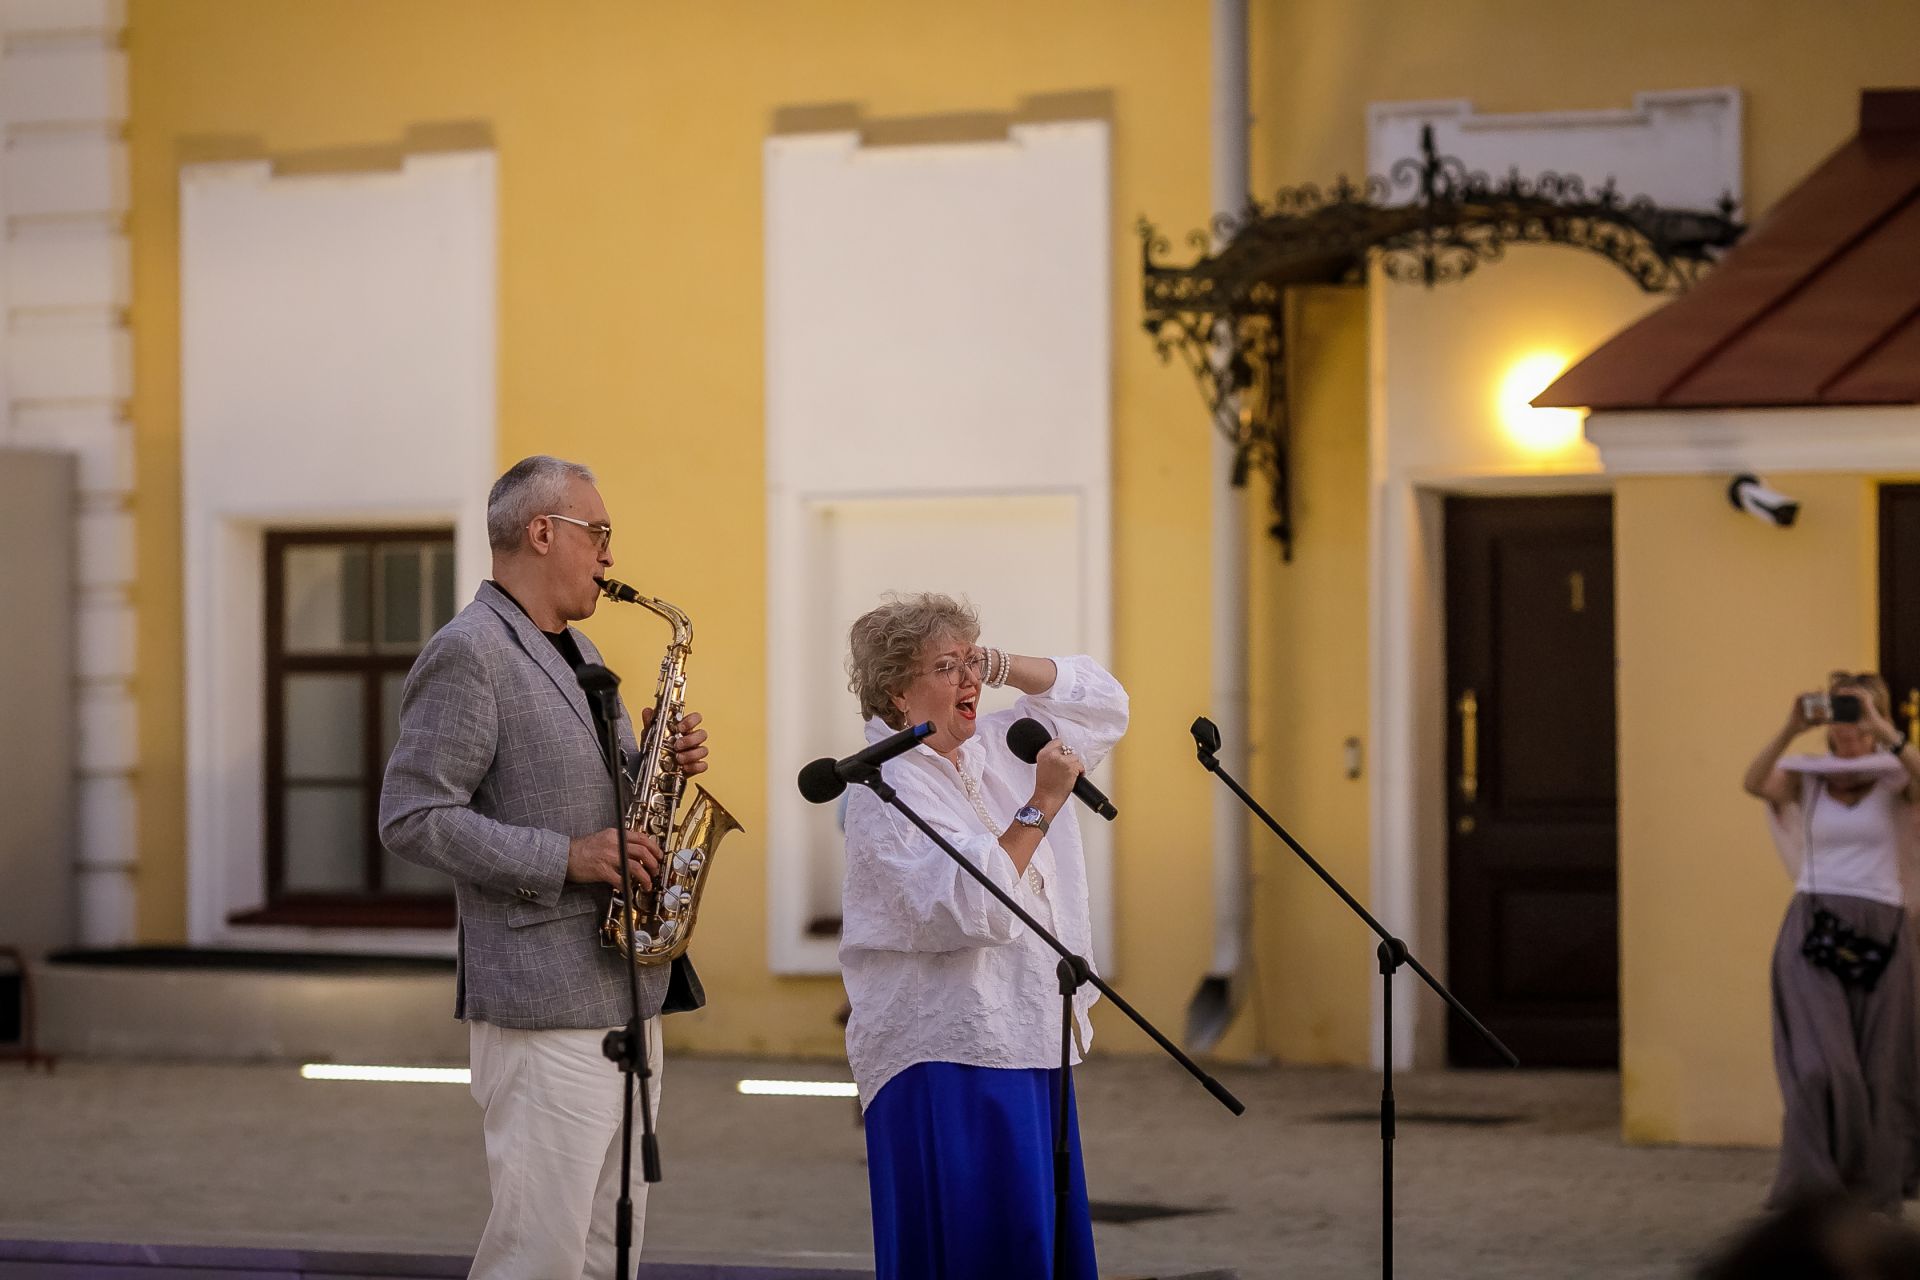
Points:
(1848, 1062)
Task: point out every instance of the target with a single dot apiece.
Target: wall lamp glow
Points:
(404, 1075)
(799, 1089)
(1536, 430)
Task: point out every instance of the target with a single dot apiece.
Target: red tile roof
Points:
(1818, 305)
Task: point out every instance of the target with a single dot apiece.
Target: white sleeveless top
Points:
(1855, 851)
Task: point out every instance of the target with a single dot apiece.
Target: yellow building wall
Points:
(630, 337)
(1721, 621)
(1311, 997)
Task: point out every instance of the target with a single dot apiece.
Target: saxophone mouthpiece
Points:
(614, 589)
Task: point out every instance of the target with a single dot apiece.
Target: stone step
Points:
(213, 1004)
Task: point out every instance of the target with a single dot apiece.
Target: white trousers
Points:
(552, 1104)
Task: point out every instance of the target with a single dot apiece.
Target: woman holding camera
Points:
(1845, 1044)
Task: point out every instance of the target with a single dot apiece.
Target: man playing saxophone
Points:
(498, 780)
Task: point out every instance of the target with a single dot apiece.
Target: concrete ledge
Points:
(239, 1014)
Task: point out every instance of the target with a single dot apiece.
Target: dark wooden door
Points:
(1900, 601)
(1532, 897)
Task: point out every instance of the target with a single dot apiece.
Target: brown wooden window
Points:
(348, 611)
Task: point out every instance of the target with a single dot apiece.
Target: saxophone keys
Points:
(686, 861)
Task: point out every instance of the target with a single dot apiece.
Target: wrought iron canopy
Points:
(1430, 220)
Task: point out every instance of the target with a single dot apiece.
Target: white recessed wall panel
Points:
(337, 369)
(938, 418)
(1019, 559)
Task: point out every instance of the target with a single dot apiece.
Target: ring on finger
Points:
(1065, 750)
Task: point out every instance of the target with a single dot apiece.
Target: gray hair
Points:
(885, 645)
(531, 487)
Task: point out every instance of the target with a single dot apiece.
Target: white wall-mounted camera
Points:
(1747, 494)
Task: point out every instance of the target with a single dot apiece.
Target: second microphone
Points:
(1025, 738)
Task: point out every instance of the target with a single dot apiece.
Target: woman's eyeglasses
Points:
(950, 671)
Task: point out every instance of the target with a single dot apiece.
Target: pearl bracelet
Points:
(998, 665)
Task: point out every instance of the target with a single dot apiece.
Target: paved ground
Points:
(252, 1154)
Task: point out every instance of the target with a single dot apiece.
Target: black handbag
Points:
(1853, 957)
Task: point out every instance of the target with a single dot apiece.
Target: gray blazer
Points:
(497, 767)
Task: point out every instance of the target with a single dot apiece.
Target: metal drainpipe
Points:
(1223, 990)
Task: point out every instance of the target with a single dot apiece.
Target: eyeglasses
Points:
(604, 532)
(950, 671)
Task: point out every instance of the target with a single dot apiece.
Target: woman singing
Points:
(955, 1031)
(1843, 1035)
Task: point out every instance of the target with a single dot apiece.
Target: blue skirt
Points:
(960, 1162)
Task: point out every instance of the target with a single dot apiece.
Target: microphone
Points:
(825, 778)
(820, 781)
(595, 678)
(1206, 743)
(1026, 736)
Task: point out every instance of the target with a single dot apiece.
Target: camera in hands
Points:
(1837, 708)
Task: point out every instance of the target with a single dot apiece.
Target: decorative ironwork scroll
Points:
(1431, 220)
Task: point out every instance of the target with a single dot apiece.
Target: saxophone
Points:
(663, 916)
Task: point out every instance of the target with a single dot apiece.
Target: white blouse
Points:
(1854, 850)
(936, 968)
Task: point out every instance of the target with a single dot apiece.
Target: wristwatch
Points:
(1028, 816)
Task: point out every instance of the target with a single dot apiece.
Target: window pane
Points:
(400, 596)
(326, 840)
(323, 724)
(442, 586)
(397, 874)
(390, 686)
(325, 604)
(401, 876)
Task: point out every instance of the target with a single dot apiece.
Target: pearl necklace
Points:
(1034, 879)
(973, 794)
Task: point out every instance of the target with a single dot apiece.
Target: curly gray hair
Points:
(531, 487)
(885, 646)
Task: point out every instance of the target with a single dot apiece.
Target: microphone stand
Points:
(626, 1046)
(1392, 953)
(1073, 971)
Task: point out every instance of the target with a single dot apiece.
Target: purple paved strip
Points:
(73, 1260)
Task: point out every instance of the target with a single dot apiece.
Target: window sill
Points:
(353, 913)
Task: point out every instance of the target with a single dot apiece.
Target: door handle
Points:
(1469, 708)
